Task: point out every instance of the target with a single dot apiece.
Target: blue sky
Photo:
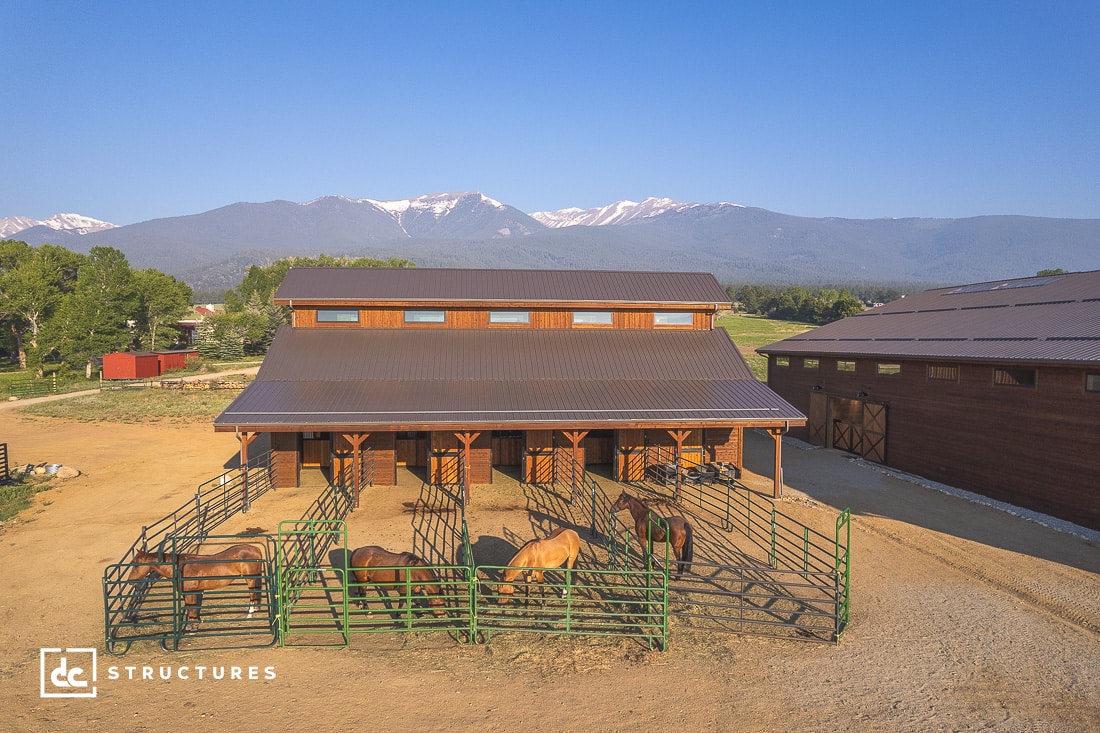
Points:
(133, 111)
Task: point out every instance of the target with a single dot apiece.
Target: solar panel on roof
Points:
(1033, 282)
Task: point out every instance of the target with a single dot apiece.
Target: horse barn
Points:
(457, 372)
(438, 384)
(992, 387)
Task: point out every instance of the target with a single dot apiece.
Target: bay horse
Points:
(397, 568)
(198, 573)
(560, 546)
(650, 527)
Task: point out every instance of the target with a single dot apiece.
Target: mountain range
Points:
(739, 244)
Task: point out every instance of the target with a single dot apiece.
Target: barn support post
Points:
(246, 439)
(679, 436)
(467, 440)
(575, 437)
(356, 441)
(777, 481)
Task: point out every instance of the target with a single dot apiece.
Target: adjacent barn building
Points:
(483, 369)
(992, 387)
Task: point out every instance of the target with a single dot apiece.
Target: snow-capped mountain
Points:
(620, 212)
(447, 214)
(74, 223)
(469, 229)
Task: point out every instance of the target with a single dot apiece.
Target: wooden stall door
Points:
(412, 451)
(316, 452)
(874, 432)
(599, 449)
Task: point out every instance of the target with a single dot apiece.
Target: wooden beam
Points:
(467, 440)
(356, 440)
(777, 481)
(246, 440)
(575, 437)
(679, 436)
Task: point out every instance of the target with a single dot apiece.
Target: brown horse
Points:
(198, 573)
(560, 546)
(648, 524)
(396, 568)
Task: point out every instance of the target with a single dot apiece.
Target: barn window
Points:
(810, 363)
(1092, 382)
(943, 372)
(338, 315)
(887, 369)
(782, 361)
(592, 318)
(681, 318)
(509, 316)
(425, 316)
(1014, 377)
(845, 365)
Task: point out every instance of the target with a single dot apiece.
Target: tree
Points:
(163, 301)
(263, 281)
(250, 307)
(33, 281)
(223, 336)
(96, 318)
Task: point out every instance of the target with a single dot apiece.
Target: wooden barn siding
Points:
(692, 445)
(458, 317)
(630, 464)
(1035, 448)
(481, 469)
(385, 457)
(724, 444)
(284, 449)
(539, 463)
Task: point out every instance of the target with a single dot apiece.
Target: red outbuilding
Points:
(130, 365)
(174, 359)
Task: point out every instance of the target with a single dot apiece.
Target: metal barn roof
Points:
(359, 284)
(1050, 319)
(522, 377)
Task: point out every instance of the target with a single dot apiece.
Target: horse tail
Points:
(687, 551)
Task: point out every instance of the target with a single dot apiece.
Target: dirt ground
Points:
(963, 618)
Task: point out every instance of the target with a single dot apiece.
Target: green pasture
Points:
(751, 331)
(138, 406)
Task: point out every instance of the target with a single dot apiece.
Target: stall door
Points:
(874, 432)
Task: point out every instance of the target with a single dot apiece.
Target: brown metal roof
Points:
(356, 284)
(1053, 319)
(519, 377)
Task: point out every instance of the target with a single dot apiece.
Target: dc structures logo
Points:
(69, 672)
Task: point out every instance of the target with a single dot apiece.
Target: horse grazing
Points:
(651, 527)
(399, 567)
(560, 546)
(198, 573)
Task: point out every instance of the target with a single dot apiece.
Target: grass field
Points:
(138, 405)
(750, 332)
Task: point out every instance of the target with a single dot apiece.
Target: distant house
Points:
(188, 326)
(426, 368)
(992, 387)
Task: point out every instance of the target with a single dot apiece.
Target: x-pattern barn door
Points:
(874, 432)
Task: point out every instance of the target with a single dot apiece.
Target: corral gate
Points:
(796, 586)
(141, 610)
(323, 604)
(153, 607)
(183, 530)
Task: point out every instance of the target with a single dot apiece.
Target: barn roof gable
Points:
(359, 284)
(1049, 319)
(528, 377)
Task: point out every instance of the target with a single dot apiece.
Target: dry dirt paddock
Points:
(964, 617)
